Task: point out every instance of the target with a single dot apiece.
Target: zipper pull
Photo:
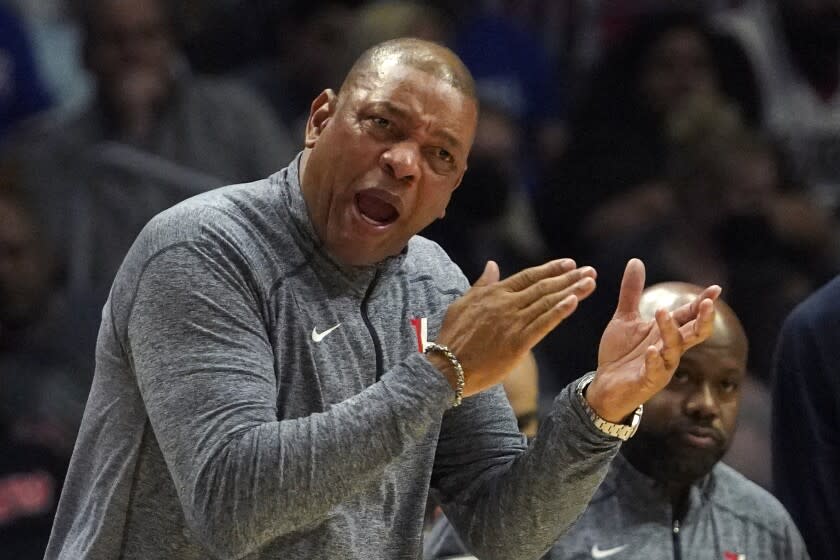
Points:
(676, 526)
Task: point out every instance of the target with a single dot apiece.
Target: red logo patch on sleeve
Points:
(420, 330)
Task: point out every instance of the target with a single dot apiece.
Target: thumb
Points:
(489, 276)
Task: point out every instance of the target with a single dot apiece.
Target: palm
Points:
(625, 340)
(636, 358)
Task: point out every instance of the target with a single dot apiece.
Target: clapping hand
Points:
(636, 358)
(494, 325)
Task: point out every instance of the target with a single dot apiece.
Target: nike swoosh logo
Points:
(598, 553)
(318, 337)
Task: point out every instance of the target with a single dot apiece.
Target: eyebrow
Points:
(445, 135)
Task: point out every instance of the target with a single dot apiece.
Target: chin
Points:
(692, 466)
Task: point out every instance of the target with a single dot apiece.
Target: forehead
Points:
(126, 13)
(711, 360)
(427, 100)
(678, 42)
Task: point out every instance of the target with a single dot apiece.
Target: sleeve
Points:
(508, 500)
(806, 450)
(206, 372)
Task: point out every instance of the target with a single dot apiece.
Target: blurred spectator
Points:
(510, 66)
(794, 47)
(57, 46)
(618, 143)
(312, 52)
(666, 494)
(513, 71)
(806, 419)
(22, 94)
(47, 336)
(380, 21)
(729, 214)
(522, 390)
(30, 483)
(222, 36)
(153, 135)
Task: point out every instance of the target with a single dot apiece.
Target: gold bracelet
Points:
(459, 369)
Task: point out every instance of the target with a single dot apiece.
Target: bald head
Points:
(425, 56)
(728, 331)
(688, 426)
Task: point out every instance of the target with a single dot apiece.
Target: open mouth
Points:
(376, 210)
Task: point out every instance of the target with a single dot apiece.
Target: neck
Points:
(676, 491)
(678, 494)
(308, 194)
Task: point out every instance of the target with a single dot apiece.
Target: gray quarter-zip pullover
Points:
(728, 518)
(255, 399)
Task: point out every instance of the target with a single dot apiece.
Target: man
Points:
(667, 495)
(47, 336)
(261, 387)
(806, 398)
(153, 135)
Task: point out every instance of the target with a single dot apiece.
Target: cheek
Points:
(657, 416)
(729, 417)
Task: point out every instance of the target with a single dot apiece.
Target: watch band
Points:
(621, 431)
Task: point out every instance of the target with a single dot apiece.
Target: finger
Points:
(656, 375)
(687, 312)
(537, 329)
(632, 284)
(581, 289)
(489, 276)
(526, 278)
(696, 331)
(672, 340)
(552, 285)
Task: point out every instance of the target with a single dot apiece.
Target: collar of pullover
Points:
(356, 278)
(639, 492)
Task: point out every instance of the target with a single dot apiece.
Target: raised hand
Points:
(493, 325)
(636, 358)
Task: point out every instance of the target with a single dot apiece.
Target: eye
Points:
(381, 122)
(729, 386)
(444, 155)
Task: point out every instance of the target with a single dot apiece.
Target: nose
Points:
(402, 161)
(702, 402)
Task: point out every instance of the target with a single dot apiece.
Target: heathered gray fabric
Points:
(727, 513)
(217, 428)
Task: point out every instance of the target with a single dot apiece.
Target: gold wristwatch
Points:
(621, 431)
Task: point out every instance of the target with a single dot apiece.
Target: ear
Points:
(320, 113)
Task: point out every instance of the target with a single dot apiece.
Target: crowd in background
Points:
(701, 136)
